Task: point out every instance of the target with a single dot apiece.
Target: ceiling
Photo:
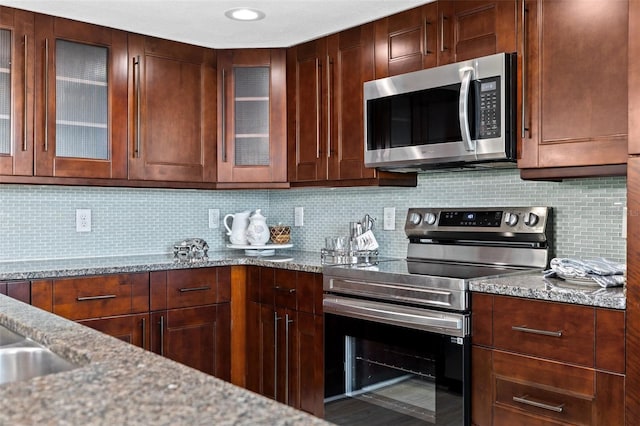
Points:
(203, 23)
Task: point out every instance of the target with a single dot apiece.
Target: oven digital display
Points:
(489, 219)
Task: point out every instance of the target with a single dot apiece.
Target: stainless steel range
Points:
(397, 333)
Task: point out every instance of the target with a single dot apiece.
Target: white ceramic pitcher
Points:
(238, 231)
(258, 231)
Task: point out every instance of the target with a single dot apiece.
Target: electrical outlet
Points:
(298, 216)
(214, 218)
(83, 220)
(389, 223)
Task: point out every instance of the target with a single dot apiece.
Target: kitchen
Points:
(39, 220)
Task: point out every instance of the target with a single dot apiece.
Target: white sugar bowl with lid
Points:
(258, 231)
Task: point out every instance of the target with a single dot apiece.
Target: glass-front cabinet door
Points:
(252, 113)
(16, 84)
(81, 100)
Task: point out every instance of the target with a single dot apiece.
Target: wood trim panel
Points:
(482, 319)
(610, 346)
(239, 326)
(42, 294)
(632, 395)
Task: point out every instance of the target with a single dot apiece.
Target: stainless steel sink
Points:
(8, 337)
(22, 358)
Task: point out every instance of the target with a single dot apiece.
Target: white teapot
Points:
(238, 231)
(258, 231)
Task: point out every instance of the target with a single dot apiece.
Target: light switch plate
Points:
(214, 218)
(298, 216)
(389, 223)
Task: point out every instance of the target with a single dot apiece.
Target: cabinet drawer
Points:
(101, 296)
(544, 388)
(551, 330)
(189, 287)
(285, 292)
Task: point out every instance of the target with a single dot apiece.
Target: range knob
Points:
(415, 218)
(511, 219)
(429, 218)
(531, 219)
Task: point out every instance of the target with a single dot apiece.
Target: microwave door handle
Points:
(463, 110)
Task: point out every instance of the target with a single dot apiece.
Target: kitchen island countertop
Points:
(120, 384)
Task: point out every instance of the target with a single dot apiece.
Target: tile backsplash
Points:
(38, 222)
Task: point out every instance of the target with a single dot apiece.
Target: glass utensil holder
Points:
(348, 257)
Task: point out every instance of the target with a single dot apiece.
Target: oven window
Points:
(424, 117)
(382, 374)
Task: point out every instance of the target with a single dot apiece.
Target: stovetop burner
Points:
(447, 248)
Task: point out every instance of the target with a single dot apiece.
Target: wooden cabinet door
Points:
(444, 32)
(172, 118)
(475, 28)
(16, 79)
(306, 78)
(253, 116)
(261, 349)
(575, 77)
(198, 337)
(307, 368)
(132, 329)
(80, 99)
(350, 64)
(408, 41)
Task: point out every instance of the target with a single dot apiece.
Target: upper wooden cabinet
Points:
(325, 111)
(443, 32)
(172, 117)
(574, 80)
(16, 101)
(80, 99)
(252, 114)
(634, 78)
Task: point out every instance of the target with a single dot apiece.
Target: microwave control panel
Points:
(488, 96)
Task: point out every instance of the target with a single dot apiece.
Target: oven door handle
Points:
(403, 316)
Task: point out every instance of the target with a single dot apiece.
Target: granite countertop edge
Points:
(536, 286)
(60, 268)
(528, 285)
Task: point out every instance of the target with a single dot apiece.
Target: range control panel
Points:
(460, 222)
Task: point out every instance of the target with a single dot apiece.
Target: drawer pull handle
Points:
(526, 329)
(185, 290)
(284, 289)
(524, 399)
(86, 298)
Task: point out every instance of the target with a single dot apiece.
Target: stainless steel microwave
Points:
(456, 115)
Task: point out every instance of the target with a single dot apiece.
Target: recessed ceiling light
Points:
(244, 14)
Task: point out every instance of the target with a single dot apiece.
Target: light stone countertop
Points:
(120, 384)
(535, 286)
(60, 268)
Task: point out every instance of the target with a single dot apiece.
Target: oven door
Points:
(381, 371)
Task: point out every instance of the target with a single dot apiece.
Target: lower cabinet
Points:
(285, 337)
(565, 366)
(132, 329)
(182, 314)
(191, 318)
(198, 337)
